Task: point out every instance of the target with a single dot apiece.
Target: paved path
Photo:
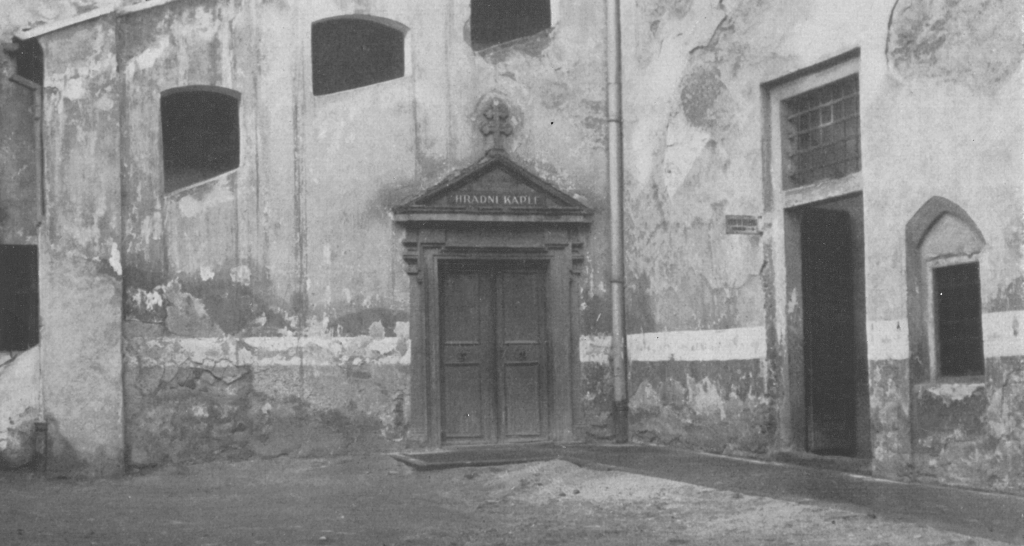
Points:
(976, 513)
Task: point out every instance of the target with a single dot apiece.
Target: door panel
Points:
(466, 352)
(522, 400)
(829, 335)
(521, 338)
(462, 402)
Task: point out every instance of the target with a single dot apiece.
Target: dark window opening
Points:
(493, 22)
(28, 60)
(350, 53)
(19, 297)
(200, 132)
(958, 320)
(823, 133)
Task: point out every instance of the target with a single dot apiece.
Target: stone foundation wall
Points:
(706, 390)
(191, 399)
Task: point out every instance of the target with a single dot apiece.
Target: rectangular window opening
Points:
(958, 331)
(822, 133)
(494, 22)
(19, 297)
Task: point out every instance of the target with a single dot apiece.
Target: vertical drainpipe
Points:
(620, 402)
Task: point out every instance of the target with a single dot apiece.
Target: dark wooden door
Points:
(829, 356)
(494, 380)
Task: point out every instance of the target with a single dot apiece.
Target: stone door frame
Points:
(559, 246)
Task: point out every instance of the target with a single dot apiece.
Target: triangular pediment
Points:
(494, 189)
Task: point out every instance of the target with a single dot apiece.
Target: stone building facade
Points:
(310, 228)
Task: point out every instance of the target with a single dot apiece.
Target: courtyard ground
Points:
(373, 500)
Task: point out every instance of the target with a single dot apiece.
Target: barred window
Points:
(496, 21)
(350, 52)
(958, 331)
(823, 133)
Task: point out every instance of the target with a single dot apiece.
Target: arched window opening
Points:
(944, 282)
(351, 52)
(200, 135)
(497, 21)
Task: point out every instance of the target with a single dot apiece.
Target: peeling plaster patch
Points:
(241, 275)
(1003, 335)
(206, 273)
(148, 58)
(74, 89)
(115, 258)
(887, 340)
(595, 349)
(969, 41)
(684, 144)
(953, 392)
(19, 406)
(645, 398)
(190, 207)
(706, 399)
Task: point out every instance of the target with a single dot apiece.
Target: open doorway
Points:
(834, 344)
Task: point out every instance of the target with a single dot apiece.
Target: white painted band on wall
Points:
(683, 346)
(887, 340)
(1002, 333)
(1002, 336)
(279, 351)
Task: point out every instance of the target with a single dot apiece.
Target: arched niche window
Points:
(200, 134)
(355, 51)
(944, 298)
(496, 21)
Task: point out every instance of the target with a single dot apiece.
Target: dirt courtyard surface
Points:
(374, 501)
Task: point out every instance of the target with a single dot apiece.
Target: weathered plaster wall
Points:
(294, 253)
(79, 252)
(953, 71)
(20, 407)
(940, 116)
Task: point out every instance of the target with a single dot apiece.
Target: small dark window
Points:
(200, 132)
(958, 320)
(28, 60)
(495, 21)
(19, 297)
(350, 53)
(823, 133)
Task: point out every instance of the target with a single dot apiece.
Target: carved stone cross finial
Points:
(496, 124)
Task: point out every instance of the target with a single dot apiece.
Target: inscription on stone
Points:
(495, 200)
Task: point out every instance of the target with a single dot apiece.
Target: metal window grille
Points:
(823, 133)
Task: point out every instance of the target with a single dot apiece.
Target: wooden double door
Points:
(494, 370)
